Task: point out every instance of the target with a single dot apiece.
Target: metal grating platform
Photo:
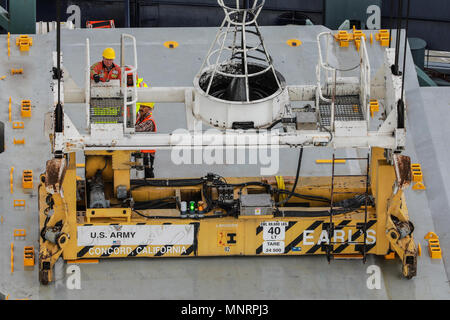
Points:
(106, 110)
(347, 108)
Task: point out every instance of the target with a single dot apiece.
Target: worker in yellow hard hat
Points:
(106, 69)
(146, 123)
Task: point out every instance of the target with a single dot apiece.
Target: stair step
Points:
(348, 256)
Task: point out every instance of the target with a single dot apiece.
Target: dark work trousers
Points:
(149, 159)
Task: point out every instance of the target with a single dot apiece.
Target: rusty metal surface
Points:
(403, 173)
(54, 174)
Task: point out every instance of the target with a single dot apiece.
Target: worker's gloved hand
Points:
(96, 78)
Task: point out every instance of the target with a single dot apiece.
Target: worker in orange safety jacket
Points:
(106, 69)
(145, 123)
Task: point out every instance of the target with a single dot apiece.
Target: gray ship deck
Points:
(306, 277)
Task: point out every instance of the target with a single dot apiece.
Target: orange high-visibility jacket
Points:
(105, 75)
(148, 118)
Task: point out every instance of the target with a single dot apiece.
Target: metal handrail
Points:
(323, 65)
(125, 89)
(326, 67)
(364, 66)
(87, 87)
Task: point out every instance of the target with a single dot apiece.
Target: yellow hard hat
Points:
(150, 105)
(109, 53)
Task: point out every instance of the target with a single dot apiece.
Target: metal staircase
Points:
(346, 108)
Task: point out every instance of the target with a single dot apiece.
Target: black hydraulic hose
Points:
(58, 46)
(154, 204)
(296, 179)
(166, 183)
(303, 196)
(255, 183)
(302, 213)
(179, 218)
(58, 113)
(158, 205)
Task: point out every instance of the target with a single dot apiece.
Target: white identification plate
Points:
(273, 247)
(274, 230)
(134, 235)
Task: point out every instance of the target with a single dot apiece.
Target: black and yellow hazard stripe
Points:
(136, 250)
(83, 251)
(295, 238)
(355, 236)
(316, 247)
(299, 238)
(110, 251)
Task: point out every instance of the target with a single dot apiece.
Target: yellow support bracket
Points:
(343, 37)
(417, 175)
(12, 257)
(27, 179)
(9, 45)
(19, 203)
(18, 125)
(434, 247)
(25, 108)
(28, 256)
(20, 233)
(17, 71)
(383, 37)
(19, 141)
(24, 42)
(9, 109)
(11, 179)
(358, 34)
(374, 107)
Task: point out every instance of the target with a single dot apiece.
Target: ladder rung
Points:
(350, 158)
(345, 226)
(344, 192)
(348, 256)
(350, 175)
(361, 243)
(362, 227)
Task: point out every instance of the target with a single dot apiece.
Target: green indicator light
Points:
(192, 205)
